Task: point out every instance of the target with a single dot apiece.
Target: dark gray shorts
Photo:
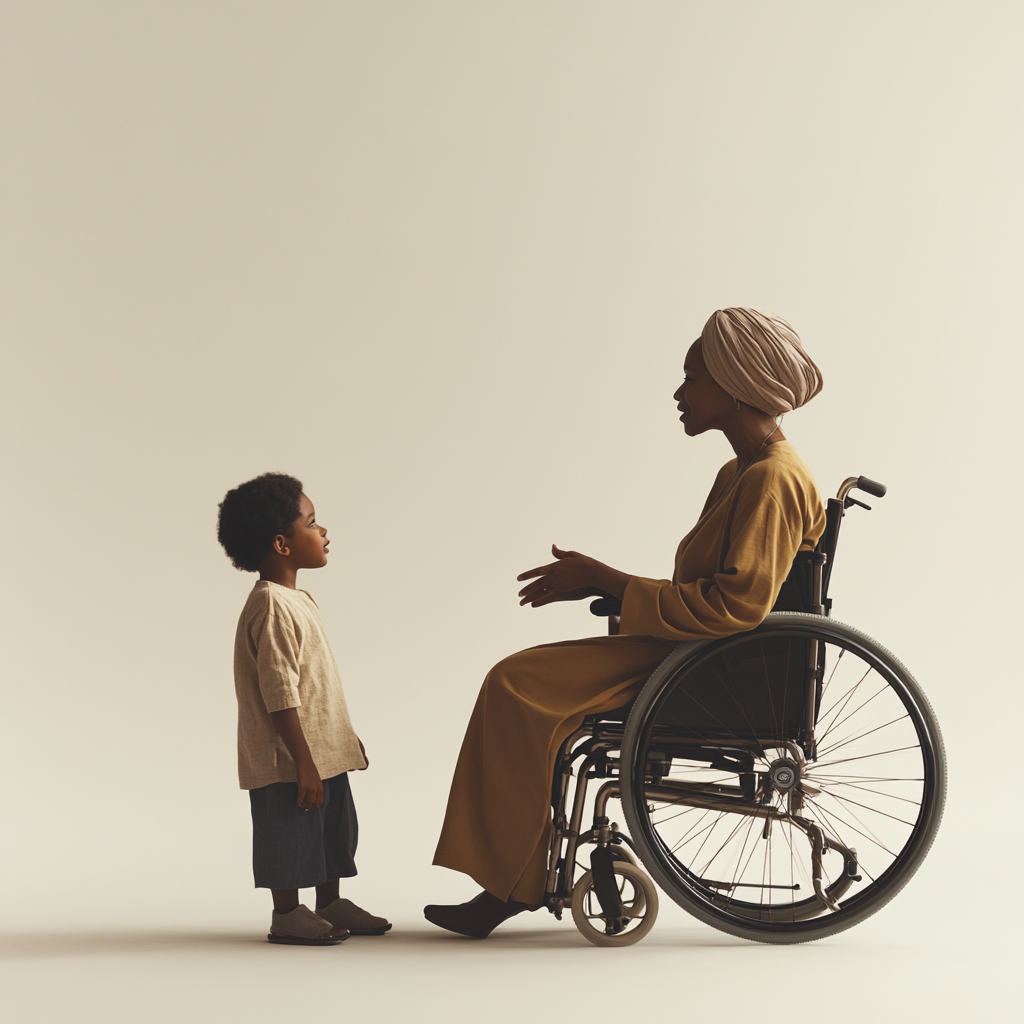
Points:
(297, 849)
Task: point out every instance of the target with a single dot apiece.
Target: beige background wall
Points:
(442, 261)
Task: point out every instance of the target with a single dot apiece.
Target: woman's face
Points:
(702, 402)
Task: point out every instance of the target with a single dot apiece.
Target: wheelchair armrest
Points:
(606, 606)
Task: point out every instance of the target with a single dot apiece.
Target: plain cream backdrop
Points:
(442, 260)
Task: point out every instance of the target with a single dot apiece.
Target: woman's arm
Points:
(571, 578)
(765, 539)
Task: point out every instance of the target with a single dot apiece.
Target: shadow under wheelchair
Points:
(524, 940)
(30, 946)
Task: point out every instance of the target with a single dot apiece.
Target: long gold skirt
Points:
(498, 823)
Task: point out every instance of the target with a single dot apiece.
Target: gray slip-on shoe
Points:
(301, 927)
(345, 914)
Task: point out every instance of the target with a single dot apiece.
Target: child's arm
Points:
(311, 789)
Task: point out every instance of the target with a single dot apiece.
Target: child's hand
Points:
(365, 758)
(311, 789)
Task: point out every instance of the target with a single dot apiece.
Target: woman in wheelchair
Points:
(741, 375)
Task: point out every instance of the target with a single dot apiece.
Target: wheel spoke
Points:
(856, 711)
(815, 777)
(864, 757)
(678, 814)
(874, 810)
(854, 739)
(766, 871)
(739, 871)
(732, 706)
(707, 829)
(843, 701)
(827, 787)
(871, 839)
(829, 829)
(690, 829)
(728, 839)
(806, 878)
(705, 737)
(835, 666)
(768, 688)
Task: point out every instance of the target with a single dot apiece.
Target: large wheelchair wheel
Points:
(762, 818)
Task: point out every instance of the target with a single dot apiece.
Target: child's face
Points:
(307, 545)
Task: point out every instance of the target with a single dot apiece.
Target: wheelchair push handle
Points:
(861, 483)
(871, 486)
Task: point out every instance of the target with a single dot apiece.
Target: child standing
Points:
(295, 740)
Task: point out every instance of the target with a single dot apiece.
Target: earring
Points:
(737, 401)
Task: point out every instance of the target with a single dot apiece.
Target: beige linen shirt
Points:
(283, 660)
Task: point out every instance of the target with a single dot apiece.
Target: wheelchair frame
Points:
(601, 742)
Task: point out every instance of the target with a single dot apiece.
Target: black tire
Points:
(744, 695)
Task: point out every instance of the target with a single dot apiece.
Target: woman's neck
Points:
(751, 434)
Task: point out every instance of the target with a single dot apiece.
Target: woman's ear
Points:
(280, 545)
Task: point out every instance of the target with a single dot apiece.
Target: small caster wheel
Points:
(624, 853)
(639, 907)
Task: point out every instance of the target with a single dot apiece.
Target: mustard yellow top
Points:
(732, 564)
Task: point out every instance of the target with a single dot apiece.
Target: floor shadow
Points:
(39, 946)
(567, 938)
(405, 939)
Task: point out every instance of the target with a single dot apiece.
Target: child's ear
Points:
(280, 545)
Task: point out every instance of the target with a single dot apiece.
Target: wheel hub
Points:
(784, 774)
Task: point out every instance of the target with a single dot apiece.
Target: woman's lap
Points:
(498, 811)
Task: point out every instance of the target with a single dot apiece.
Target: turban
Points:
(758, 359)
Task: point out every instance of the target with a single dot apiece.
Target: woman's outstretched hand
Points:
(571, 578)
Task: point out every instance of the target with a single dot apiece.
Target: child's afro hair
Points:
(253, 514)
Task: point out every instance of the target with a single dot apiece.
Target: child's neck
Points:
(281, 574)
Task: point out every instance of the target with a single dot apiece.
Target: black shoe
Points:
(477, 918)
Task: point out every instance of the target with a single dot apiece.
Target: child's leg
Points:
(326, 893)
(341, 832)
(288, 844)
(288, 855)
(285, 900)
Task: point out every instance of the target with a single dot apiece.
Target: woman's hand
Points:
(571, 578)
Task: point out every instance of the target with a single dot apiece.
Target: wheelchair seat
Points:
(795, 596)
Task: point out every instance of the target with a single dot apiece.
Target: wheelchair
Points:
(780, 785)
